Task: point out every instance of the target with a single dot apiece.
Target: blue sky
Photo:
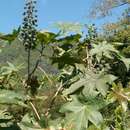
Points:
(49, 12)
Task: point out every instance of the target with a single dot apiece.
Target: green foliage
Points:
(10, 97)
(90, 91)
(79, 114)
(98, 82)
(103, 49)
(10, 37)
(46, 37)
(104, 7)
(68, 27)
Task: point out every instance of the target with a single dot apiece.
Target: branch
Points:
(38, 60)
(101, 10)
(53, 98)
(120, 5)
(51, 82)
(57, 92)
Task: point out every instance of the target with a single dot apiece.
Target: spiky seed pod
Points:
(28, 31)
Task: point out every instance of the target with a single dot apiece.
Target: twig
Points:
(121, 95)
(51, 82)
(120, 4)
(88, 59)
(57, 92)
(35, 111)
(112, 127)
(53, 98)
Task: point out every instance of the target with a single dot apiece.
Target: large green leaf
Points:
(91, 83)
(65, 59)
(10, 97)
(79, 114)
(67, 27)
(103, 49)
(69, 39)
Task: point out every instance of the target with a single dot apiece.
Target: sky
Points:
(49, 12)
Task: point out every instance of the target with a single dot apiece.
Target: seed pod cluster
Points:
(91, 36)
(28, 31)
(92, 32)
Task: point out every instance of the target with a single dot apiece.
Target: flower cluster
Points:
(28, 31)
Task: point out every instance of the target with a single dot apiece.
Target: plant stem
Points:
(38, 61)
(29, 51)
(49, 79)
(35, 111)
(54, 98)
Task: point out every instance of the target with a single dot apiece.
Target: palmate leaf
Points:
(79, 114)
(67, 27)
(8, 97)
(69, 39)
(65, 59)
(103, 49)
(91, 83)
(65, 53)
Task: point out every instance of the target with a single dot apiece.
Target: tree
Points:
(103, 7)
(120, 30)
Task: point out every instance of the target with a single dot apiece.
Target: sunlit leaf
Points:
(79, 114)
(67, 27)
(91, 82)
(103, 49)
